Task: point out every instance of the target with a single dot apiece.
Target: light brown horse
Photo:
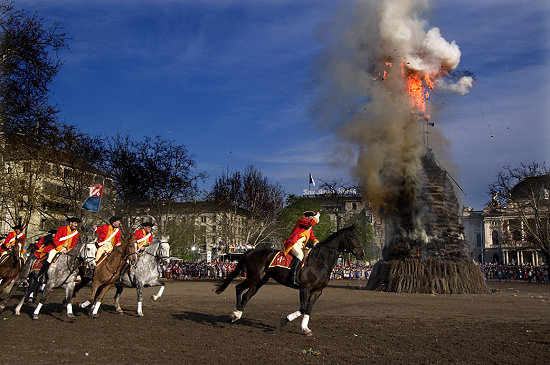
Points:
(9, 269)
(107, 273)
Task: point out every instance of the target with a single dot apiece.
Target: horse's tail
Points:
(233, 274)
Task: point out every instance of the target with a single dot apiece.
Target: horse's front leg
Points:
(99, 298)
(69, 290)
(119, 289)
(154, 298)
(304, 295)
(306, 305)
(139, 292)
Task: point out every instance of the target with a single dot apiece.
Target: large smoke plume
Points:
(365, 97)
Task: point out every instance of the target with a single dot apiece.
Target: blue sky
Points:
(232, 80)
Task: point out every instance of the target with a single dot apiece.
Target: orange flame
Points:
(416, 88)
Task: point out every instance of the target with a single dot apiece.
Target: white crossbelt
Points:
(108, 238)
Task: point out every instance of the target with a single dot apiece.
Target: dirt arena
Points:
(190, 325)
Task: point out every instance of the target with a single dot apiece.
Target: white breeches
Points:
(297, 251)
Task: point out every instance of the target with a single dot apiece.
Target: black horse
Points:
(314, 275)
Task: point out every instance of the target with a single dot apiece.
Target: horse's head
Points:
(163, 252)
(130, 250)
(87, 254)
(350, 243)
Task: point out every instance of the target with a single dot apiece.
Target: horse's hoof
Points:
(72, 317)
(31, 300)
(154, 298)
(35, 316)
(236, 315)
(139, 314)
(307, 332)
(283, 322)
(120, 312)
(94, 316)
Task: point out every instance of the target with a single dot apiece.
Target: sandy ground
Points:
(190, 325)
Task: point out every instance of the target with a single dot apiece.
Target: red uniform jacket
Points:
(105, 233)
(302, 233)
(143, 238)
(64, 238)
(10, 240)
(42, 247)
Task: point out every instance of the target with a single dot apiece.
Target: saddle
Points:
(281, 260)
(285, 261)
(37, 264)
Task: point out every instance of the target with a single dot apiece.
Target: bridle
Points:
(158, 258)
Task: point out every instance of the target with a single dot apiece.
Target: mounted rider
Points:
(109, 236)
(144, 236)
(16, 234)
(44, 242)
(299, 237)
(64, 239)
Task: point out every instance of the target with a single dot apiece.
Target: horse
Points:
(107, 273)
(23, 275)
(62, 272)
(144, 273)
(11, 265)
(314, 275)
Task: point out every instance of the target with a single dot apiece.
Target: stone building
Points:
(500, 233)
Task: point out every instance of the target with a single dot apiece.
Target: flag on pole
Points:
(93, 202)
(311, 181)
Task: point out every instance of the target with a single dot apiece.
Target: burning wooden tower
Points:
(381, 63)
(438, 260)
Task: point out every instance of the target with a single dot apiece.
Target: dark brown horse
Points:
(314, 275)
(9, 269)
(107, 273)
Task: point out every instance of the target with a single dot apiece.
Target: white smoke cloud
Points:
(461, 87)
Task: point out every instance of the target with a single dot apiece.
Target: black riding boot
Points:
(43, 269)
(124, 268)
(295, 265)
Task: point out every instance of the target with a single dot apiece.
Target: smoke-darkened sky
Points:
(237, 82)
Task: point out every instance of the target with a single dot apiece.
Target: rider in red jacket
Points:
(300, 235)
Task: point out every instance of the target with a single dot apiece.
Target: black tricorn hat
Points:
(114, 219)
(309, 213)
(18, 226)
(74, 219)
(147, 224)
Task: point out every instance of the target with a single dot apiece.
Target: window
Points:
(354, 206)
(495, 238)
(203, 219)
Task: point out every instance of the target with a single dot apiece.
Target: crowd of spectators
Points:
(183, 270)
(529, 273)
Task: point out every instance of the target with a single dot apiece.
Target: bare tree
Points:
(29, 60)
(252, 192)
(150, 175)
(524, 192)
(335, 191)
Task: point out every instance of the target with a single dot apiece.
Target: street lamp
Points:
(193, 249)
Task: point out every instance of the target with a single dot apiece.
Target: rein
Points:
(124, 257)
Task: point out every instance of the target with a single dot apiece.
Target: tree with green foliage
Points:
(294, 209)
